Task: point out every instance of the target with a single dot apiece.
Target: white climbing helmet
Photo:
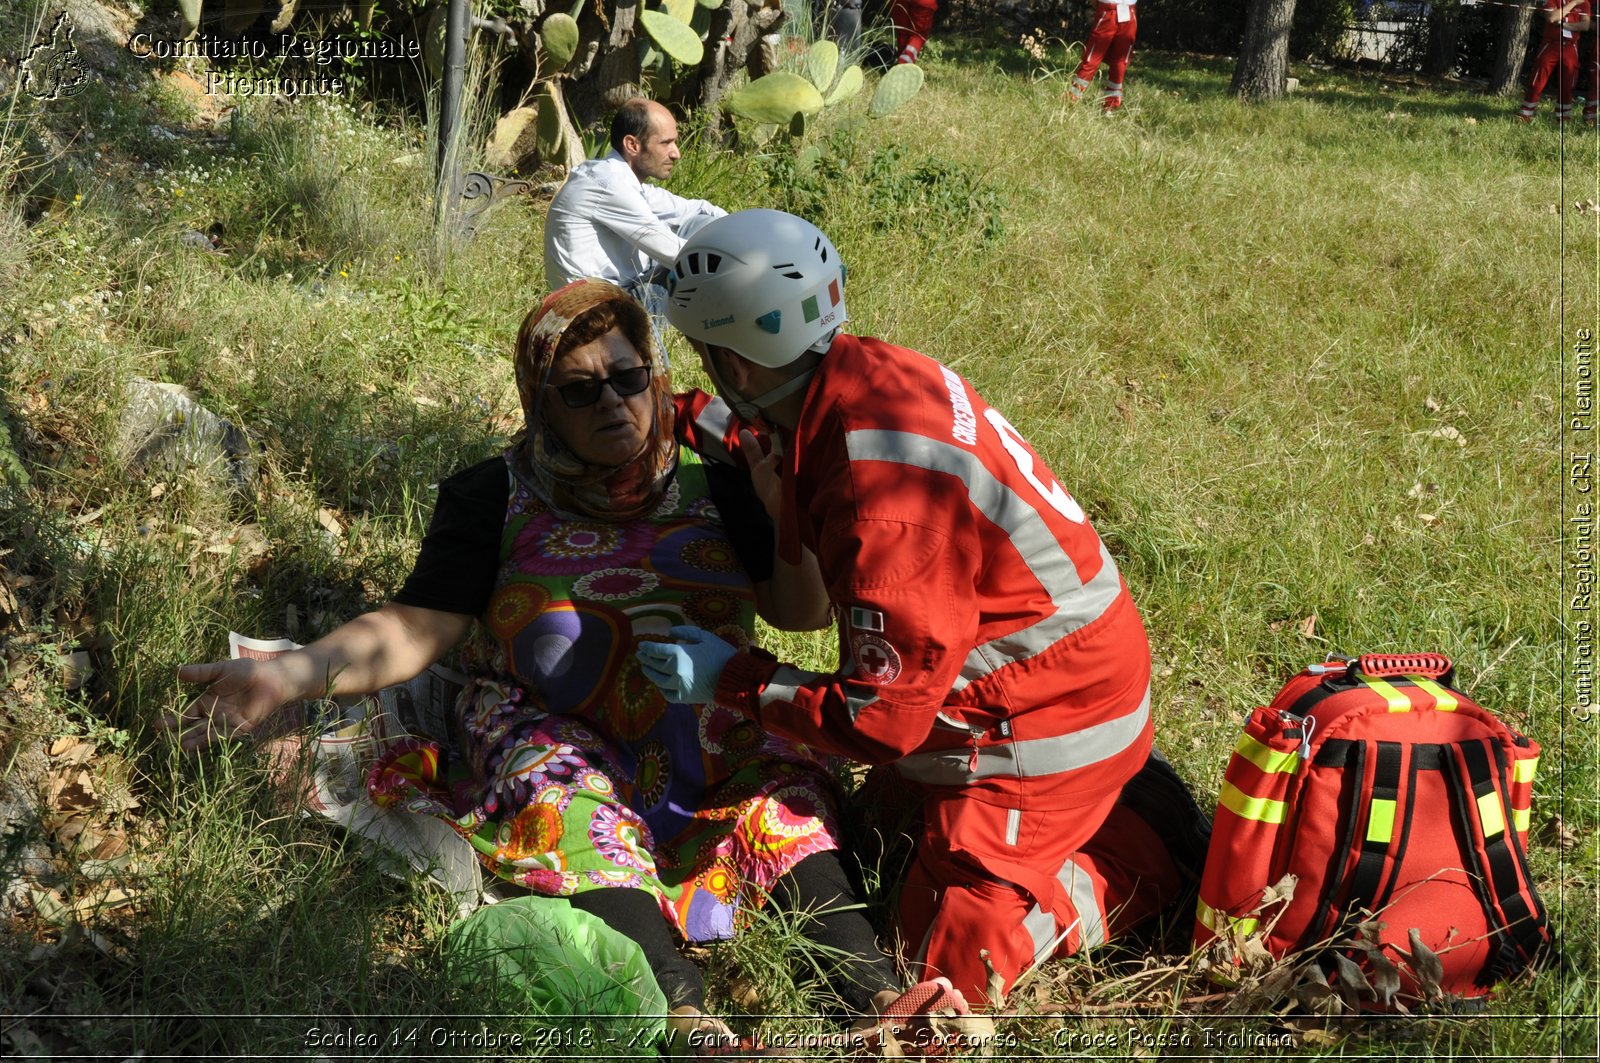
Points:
(762, 283)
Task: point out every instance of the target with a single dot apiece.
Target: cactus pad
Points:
(673, 37)
(559, 35)
(898, 85)
(550, 133)
(776, 98)
(822, 64)
(682, 10)
(850, 83)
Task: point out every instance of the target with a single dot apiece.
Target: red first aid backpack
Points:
(1386, 791)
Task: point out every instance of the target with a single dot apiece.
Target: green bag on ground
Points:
(540, 959)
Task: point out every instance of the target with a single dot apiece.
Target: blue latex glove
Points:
(687, 670)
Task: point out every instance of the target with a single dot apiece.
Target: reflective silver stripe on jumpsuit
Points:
(1077, 604)
(1041, 925)
(1030, 758)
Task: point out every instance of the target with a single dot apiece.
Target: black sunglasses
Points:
(580, 393)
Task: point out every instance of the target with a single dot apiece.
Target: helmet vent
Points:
(712, 262)
(694, 262)
(795, 275)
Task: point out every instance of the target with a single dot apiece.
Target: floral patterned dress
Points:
(569, 770)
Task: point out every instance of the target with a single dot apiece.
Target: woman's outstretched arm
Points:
(387, 646)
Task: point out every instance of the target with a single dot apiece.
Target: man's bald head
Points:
(646, 135)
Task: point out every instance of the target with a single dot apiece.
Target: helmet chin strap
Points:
(751, 409)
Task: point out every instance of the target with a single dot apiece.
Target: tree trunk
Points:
(733, 43)
(1510, 50)
(1444, 31)
(606, 71)
(1263, 63)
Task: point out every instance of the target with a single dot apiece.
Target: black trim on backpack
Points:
(1519, 932)
(1366, 880)
(1353, 778)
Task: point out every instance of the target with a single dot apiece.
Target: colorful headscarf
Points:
(571, 486)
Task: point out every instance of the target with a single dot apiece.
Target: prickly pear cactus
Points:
(673, 37)
(682, 10)
(850, 83)
(549, 130)
(898, 85)
(822, 64)
(776, 98)
(191, 13)
(559, 35)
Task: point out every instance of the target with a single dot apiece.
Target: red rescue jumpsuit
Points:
(913, 22)
(990, 652)
(1558, 54)
(1111, 40)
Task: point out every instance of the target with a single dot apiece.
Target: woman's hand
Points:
(238, 697)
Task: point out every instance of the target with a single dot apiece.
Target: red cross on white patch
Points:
(876, 660)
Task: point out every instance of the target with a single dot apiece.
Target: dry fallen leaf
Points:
(329, 521)
(1353, 982)
(61, 745)
(1556, 832)
(1422, 490)
(115, 897)
(1448, 432)
(1279, 891)
(1385, 978)
(1430, 519)
(1254, 955)
(73, 795)
(1426, 965)
(1308, 626)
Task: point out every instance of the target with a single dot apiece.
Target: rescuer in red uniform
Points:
(1111, 41)
(1558, 54)
(913, 23)
(990, 653)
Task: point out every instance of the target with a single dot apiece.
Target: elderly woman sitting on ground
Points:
(568, 771)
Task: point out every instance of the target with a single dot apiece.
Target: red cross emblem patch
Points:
(876, 660)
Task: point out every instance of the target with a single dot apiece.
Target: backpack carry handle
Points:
(1382, 665)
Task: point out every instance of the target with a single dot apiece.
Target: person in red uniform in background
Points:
(990, 653)
(1558, 54)
(913, 22)
(1589, 68)
(1111, 41)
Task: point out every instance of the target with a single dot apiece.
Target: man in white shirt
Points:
(606, 222)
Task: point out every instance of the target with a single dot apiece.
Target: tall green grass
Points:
(1235, 333)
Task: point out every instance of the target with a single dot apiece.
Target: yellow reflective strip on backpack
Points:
(1519, 819)
(1380, 821)
(1217, 922)
(1272, 761)
(1398, 702)
(1489, 814)
(1244, 806)
(1522, 770)
(1444, 701)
